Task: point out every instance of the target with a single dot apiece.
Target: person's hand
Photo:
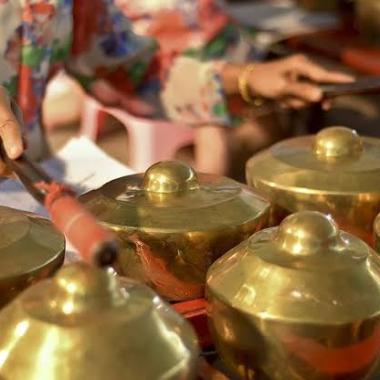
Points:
(290, 80)
(10, 129)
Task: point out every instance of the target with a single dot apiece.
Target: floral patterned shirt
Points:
(177, 25)
(192, 52)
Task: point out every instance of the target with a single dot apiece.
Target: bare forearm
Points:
(230, 77)
(280, 79)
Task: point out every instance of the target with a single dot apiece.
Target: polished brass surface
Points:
(30, 250)
(170, 177)
(298, 302)
(335, 172)
(174, 223)
(88, 324)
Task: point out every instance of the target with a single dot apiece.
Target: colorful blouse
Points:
(190, 34)
(93, 39)
(178, 25)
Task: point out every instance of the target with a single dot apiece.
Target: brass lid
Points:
(87, 323)
(305, 270)
(171, 197)
(28, 244)
(336, 160)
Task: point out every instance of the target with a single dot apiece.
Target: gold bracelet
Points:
(244, 89)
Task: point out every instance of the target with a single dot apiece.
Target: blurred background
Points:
(340, 34)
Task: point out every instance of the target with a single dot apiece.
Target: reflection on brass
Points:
(30, 250)
(88, 324)
(173, 224)
(298, 302)
(335, 172)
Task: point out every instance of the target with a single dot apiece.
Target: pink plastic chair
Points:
(150, 141)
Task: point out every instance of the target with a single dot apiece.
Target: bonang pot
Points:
(89, 324)
(173, 224)
(335, 172)
(30, 250)
(298, 302)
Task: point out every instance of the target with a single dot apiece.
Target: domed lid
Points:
(171, 197)
(86, 323)
(28, 243)
(305, 270)
(336, 160)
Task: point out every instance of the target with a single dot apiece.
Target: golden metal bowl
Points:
(173, 224)
(30, 250)
(335, 172)
(298, 302)
(88, 324)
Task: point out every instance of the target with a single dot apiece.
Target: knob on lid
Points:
(170, 177)
(337, 143)
(307, 233)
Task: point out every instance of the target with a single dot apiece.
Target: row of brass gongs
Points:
(290, 302)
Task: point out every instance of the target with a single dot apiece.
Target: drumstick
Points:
(365, 85)
(94, 242)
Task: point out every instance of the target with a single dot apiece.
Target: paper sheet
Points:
(79, 164)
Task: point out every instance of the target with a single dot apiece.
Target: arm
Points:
(205, 86)
(107, 58)
(282, 80)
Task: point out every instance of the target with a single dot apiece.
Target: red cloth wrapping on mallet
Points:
(79, 226)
